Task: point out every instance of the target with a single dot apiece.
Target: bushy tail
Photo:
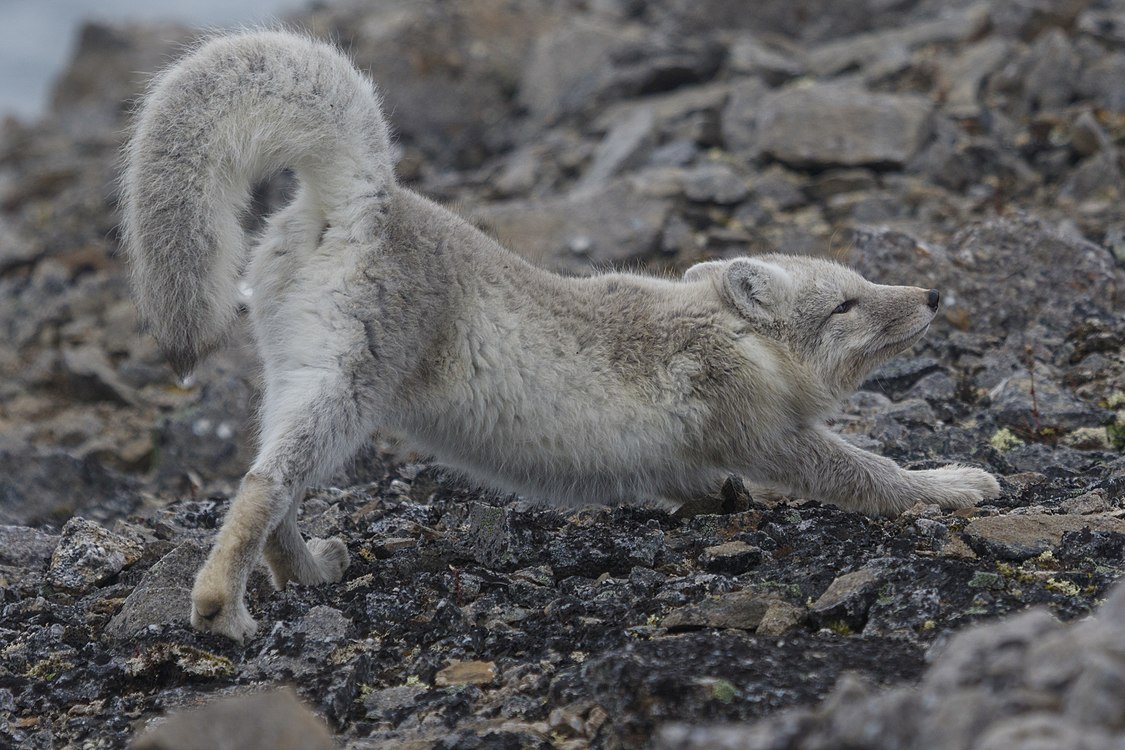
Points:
(232, 111)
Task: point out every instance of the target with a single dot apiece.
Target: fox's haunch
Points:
(232, 111)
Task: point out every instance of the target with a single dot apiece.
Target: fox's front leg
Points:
(816, 463)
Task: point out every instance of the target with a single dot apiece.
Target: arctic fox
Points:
(376, 308)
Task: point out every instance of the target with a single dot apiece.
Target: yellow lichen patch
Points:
(1005, 440)
(1062, 586)
(187, 659)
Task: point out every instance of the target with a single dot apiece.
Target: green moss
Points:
(984, 579)
(724, 691)
(839, 627)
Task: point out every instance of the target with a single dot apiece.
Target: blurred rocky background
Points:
(975, 147)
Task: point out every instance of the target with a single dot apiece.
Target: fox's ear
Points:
(702, 270)
(756, 286)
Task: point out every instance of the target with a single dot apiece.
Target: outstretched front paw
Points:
(959, 486)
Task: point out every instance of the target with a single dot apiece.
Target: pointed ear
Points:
(702, 270)
(756, 286)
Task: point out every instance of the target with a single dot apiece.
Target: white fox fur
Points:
(376, 308)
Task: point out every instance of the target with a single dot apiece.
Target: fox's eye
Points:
(843, 307)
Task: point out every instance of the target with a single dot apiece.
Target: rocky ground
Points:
(973, 147)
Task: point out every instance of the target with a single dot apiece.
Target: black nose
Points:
(932, 299)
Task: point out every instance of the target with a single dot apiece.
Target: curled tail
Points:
(232, 111)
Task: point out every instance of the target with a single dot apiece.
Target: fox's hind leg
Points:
(291, 558)
(310, 426)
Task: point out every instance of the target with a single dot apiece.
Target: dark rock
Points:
(24, 547)
(898, 375)
(1053, 407)
(743, 610)
(847, 599)
(40, 486)
(212, 439)
(733, 558)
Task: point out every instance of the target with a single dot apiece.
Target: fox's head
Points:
(837, 323)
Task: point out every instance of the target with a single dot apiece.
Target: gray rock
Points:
(750, 56)
(108, 69)
(868, 50)
(742, 610)
(87, 555)
(89, 376)
(162, 596)
(273, 720)
(715, 183)
(1087, 136)
(446, 71)
(623, 147)
(730, 557)
(1098, 177)
(1053, 77)
(590, 61)
(738, 125)
(828, 124)
(36, 486)
(1106, 24)
(608, 226)
(1018, 537)
(24, 547)
(847, 599)
(1101, 82)
(979, 291)
(1053, 406)
(964, 75)
(386, 704)
(212, 439)
(1026, 682)
(568, 65)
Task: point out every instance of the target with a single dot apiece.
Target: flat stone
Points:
(87, 555)
(383, 705)
(162, 596)
(715, 183)
(742, 610)
(1017, 537)
(829, 124)
(730, 557)
(604, 227)
(467, 673)
(780, 618)
(847, 599)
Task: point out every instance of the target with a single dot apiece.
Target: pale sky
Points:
(36, 35)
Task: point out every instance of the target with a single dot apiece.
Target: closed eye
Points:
(843, 307)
